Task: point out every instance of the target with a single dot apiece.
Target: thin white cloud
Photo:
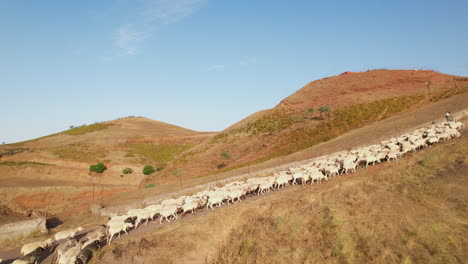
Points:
(128, 38)
(152, 15)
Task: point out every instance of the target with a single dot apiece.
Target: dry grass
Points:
(87, 129)
(79, 152)
(413, 211)
(342, 121)
(23, 163)
(161, 154)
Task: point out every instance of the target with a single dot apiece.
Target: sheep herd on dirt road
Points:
(70, 250)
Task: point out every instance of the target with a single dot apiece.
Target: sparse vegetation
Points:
(79, 153)
(127, 171)
(148, 169)
(98, 168)
(225, 154)
(448, 93)
(325, 110)
(23, 163)
(86, 129)
(343, 120)
(161, 154)
(149, 185)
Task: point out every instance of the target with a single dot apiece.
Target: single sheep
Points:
(67, 233)
(28, 248)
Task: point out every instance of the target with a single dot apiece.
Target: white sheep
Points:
(28, 259)
(28, 248)
(67, 233)
(168, 211)
(282, 180)
(117, 229)
(144, 214)
(317, 175)
(298, 175)
(215, 199)
(370, 158)
(190, 206)
(63, 247)
(332, 170)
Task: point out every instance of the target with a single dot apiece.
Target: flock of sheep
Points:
(70, 250)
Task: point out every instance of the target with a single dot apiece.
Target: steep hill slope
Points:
(321, 110)
(411, 211)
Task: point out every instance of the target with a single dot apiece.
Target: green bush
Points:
(148, 169)
(225, 154)
(99, 167)
(149, 185)
(160, 169)
(127, 171)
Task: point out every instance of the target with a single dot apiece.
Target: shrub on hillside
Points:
(127, 171)
(324, 109)
(148, 169)
(225, 154)
(99, 167)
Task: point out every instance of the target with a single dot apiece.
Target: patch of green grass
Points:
(161, 154)
(129, 155)
(23, 163)
(149, 185)
(86, 129)
(80, 154)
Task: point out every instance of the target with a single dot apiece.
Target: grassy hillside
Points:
(320, 111)
(412, 211)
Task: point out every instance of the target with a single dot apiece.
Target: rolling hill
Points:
(43, 172)
(347, 102)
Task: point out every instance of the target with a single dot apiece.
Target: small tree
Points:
(99, 167)
(310, 111)
(127, 171)
(148, 169)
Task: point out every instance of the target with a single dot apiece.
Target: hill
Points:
(318, 112)
(43, 173)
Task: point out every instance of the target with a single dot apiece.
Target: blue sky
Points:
(202, 64)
